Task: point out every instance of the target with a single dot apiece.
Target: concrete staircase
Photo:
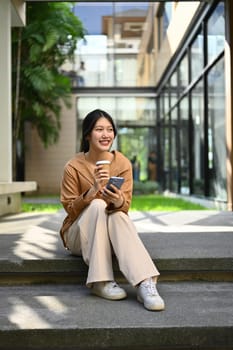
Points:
(45, 305)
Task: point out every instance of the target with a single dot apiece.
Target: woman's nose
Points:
(105, 133)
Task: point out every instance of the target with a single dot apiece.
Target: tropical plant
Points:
(38, 86)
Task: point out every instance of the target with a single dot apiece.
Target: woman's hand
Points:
(101, 176)
(113, 197)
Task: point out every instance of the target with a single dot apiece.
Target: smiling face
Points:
(102, 136)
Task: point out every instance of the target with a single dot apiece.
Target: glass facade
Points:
(134, 118)
(193, 145)
(197, 56)
(198, 127)
(216, 131)
(216, 32)
(174, 179)
(107, 56)
(163, 21)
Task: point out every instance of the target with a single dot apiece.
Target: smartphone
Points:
(116, 181)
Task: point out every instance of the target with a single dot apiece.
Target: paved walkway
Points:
(194, 220)
(35, 235)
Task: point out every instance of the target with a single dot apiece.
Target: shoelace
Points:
(114, 284)
(150, 287)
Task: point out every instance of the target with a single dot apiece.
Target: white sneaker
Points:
(108, 290)
(148, 295)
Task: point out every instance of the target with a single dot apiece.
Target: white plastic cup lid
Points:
(101, 162)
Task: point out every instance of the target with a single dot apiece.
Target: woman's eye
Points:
(101, 129)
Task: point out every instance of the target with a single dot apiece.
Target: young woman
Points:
(97, 223)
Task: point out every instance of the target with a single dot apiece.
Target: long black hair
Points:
(88, 124)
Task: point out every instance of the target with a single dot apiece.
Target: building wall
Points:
(45, 166)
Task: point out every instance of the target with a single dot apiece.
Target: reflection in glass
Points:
(216, 132)
(134, 143)
(216, 32)
(174, 148)
(184, 146)
(197, 56)
(135, 120)
(110, 48)
(198, 138)
(183, 71)
(128, 110)
(174, 88)
(166, 153)
(166, 100)
(167, 15)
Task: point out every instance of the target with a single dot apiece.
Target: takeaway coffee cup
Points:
(105, 165)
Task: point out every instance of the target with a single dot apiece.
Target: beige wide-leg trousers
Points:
(96, 235)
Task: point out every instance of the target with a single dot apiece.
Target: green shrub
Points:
(145, 187)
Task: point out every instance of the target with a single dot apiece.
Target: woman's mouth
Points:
(104, 142)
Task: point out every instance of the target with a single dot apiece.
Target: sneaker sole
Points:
(109, 297)
(156, 308)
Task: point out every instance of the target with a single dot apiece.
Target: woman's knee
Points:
(118, 215)
(98, 204)
(121, 221)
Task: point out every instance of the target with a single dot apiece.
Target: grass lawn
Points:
(162, 203)
(40, 207)
(139, 202)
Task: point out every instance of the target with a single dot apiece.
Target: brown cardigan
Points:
(77, 180)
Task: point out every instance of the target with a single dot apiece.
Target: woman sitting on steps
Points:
(97, 223)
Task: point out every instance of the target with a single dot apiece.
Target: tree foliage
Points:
(38, 51)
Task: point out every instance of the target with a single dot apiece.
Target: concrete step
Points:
(192, 263)
(198, 315)
(194, 247)
(31, 249)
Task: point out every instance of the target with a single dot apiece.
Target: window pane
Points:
(128, 26)
(126, 111)
(164, 138)
(174, 147)
(134, 143)
(135, 110)
(184, 77)
(165, 154)
(184, 146)
(198, 138)
(174, 88)
(216, 132)
(111, 46)
(163, 20)
(197, 56)
(166, 99)
(167, 15)
(216, 32)
(130, 110)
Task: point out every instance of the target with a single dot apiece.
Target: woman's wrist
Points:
(119, 202)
